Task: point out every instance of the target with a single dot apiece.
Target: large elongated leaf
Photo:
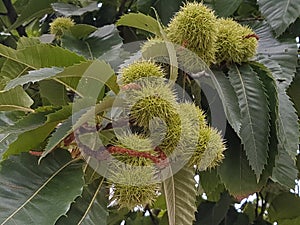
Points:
(94, 73)
(285, 207)
(90, 208)
(253, 103)
(285, 171)
(33, 9)
(140, 21)
(33, 76)
(42, 55)
(12, 69)
(211, 184)
(53, 93)
(225, 8)
(29, 122)
(10, 133)
(15, 99)
(89, 78)
(235, 172)
(279, 56)
(166, 9)
(271, 91)
(30, 140)
(96, 44)
(32, 194)
(288, 126)
(229, 99)
(180, 195)
(213, 213)
(72, 10)
(280, 13)
(284, 132)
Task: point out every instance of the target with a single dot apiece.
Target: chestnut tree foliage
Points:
(45, 180)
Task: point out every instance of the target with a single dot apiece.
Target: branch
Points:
(12, 16)
(121, 9)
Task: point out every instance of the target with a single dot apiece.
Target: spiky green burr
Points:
(195, 28)
(60, 25)
(236, 43)
(138, 70)
(134, 186)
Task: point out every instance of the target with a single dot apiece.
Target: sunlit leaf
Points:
(15, 99)
(33, 76)
(42, 55)
(140, 21)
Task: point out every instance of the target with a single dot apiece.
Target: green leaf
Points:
(294, 91)
(25, 42)
(235, 172)
(280, 13)
(288, 126)
(60, 115)
(33, 9)
(211, 184)
(180, 195)
(30, 140)
(63, 131)
(97, 73)
(28, 122)
(278, 55)
(80, 31)
(285, 171)
(229, 99)
(96, 44)
(8, 119)
(15, 99)
(32, 194)
(284, 206)
(213, 213)
(90, 207)
(42, 55)
(53, 93)
(271, 91)
(253, 103)
(12, 69)
(33, 76)
(225, 8)
(167, 9)
(140, 21)
(72, 10)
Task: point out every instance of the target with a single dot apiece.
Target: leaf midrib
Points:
(38, 190)
(92, 201)
(247, 111)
